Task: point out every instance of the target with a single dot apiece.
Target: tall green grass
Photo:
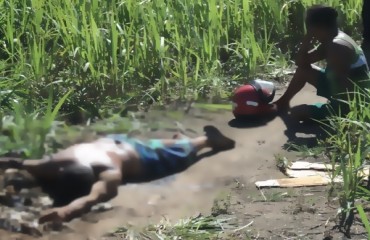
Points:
(166, 48)
(349, 149)
(26, 132)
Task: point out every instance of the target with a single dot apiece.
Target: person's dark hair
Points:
(321, 16)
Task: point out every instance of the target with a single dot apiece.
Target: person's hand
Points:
(55, 215)
(280, 106)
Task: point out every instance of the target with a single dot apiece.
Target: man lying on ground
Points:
(346, 66)
(85, 174)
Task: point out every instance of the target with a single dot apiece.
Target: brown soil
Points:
(297, 214)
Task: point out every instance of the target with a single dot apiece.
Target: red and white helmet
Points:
(253, 98)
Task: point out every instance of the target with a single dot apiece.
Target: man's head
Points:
(321, 22)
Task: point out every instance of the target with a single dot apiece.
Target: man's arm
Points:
(103, 190)
(305, 57)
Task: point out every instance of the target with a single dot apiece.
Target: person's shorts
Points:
(323, 85)
(159, 160)
(320, 111)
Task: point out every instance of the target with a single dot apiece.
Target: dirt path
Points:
(194, 190)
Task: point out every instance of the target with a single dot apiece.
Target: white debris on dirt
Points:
(101, 207)
(21, 208)
(19, 221)
(10, 171)
(45, 201)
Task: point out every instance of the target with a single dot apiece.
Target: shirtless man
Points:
(86, 174)
(346, 65)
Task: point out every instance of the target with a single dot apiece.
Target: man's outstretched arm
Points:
(103, 190)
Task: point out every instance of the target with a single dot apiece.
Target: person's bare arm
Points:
(306, 56)
(103, 190)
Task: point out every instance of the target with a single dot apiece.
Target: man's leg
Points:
(213, 139)
(302, 76)
(160, 158)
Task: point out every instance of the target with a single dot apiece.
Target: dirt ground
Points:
(275, 214)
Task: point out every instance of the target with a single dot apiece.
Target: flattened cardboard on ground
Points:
(310, 173)
(294, 182)
(306, 174)
(316, 167)
(302, 165)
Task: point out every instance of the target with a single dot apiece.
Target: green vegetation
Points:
(214, 107)
(193, 228)
(120, 52)
(349, 147)
(69, 62)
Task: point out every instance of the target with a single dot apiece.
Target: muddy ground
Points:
(228, 178)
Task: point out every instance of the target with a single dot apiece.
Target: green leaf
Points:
(364, 219)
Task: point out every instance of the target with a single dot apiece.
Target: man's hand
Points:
(55, 215)
(280, 106)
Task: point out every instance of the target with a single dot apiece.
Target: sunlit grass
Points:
(348, 146)
(197, 228)
(167, 48)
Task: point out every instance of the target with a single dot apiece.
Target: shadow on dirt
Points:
(250, 121)
(307, 133)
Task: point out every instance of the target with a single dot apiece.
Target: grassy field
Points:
(85, 59)
(129, 51)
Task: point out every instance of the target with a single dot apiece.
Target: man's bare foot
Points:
(217, 141)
